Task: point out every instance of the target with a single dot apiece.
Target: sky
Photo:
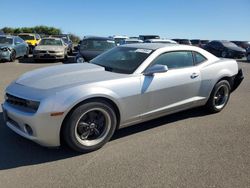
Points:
(202, 19)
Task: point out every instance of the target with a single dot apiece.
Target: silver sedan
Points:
(85, 103)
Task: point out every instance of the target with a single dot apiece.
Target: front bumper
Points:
(5, 55)
(49, 56)
(45, 128)
(237, 80)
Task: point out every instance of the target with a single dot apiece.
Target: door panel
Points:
(164, 92)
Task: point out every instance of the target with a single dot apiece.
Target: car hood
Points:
(66, 75)
(236, 48)
(49, 47)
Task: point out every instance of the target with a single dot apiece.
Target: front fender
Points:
(66, 100)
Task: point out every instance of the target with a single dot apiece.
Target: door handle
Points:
(194, 75)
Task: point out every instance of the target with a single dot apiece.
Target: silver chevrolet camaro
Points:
(85, 103)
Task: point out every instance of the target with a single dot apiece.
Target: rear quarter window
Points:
(198, 58)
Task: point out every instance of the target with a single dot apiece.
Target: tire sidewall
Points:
(211, 102)
(13, 58)
(71, 123)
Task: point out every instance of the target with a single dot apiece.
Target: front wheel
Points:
(219, 97)
(13, 56)
(90, 126)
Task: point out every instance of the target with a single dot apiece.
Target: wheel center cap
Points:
(92, 125)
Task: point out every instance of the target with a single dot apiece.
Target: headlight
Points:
(32, 104)
(80, 60)
(5, 49)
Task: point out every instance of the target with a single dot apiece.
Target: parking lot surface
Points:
(187, 149)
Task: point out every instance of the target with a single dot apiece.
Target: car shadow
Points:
(17, 151)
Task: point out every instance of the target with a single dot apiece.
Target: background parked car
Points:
(67, 41)
(12, 47)
(50, 48)
(91, 47)
(199, 43)
(146, 37)
(31, 39)
(183, 41)
(248, 54)
(242, 44)
(167, 41)
(1, 32)
(119, 39)
(131, 41)
(225, 49)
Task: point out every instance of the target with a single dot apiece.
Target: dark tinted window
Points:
(6, 40)
(198, 58)
(122, 59)
(178, 59)
(97, 44)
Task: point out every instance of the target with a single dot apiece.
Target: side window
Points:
(20, 40)
(198, 58)
(173, 60)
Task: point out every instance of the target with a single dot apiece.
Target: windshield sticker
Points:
(146, 51)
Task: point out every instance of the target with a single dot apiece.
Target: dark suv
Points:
(90, 47)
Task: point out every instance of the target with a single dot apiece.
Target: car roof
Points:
(97, 38)
(52, 38)
(150, 46)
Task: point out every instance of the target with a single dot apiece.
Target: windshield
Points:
(6, 40)
(122, 59)
(51, 42)
(229, 44)
(27, 37)
(98, 45)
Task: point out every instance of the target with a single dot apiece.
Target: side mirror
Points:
(155, 69)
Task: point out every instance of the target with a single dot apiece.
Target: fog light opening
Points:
(28, 129)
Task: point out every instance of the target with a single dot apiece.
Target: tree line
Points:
(42, 30)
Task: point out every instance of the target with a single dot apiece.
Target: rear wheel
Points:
(219, 97)
(13, 56)
(90, 126)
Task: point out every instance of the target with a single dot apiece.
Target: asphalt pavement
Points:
(187, 149)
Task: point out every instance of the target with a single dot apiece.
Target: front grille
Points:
(16, 100)
(44, 52)
(22, 104)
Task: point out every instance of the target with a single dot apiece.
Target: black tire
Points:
(213, 104)
(74, 120)
(13, 56)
